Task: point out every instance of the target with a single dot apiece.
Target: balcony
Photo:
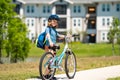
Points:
(62, 23)
(91, 31)
(91, 28)
(61, 9)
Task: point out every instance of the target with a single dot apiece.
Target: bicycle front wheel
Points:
(70, 65)
(45, 69)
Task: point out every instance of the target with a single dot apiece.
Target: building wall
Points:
(104, 20)
(77, 18)
(37, 15)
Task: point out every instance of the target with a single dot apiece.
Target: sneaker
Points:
(47, 76)
(53, 78)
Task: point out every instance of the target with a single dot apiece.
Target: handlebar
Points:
(68, 38)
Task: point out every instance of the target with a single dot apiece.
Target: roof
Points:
(69, 1)
(34, 1)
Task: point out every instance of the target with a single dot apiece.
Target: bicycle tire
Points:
(42, 66)
(70, 56)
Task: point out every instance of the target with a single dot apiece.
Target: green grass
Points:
(26, 70)
(88, 56)
(34, 51)
(81, 50)
(91, 50)
(118, 78)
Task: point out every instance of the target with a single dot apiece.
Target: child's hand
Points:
(68, 35)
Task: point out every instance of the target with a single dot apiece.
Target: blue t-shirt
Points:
(53, 35)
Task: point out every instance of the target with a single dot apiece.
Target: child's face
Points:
(54, 23)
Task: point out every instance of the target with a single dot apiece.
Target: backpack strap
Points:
(45, 33)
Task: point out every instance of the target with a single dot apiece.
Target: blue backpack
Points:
(41, 41)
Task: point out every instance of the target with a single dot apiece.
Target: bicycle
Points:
(52, 62)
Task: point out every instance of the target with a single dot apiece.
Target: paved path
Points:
(92, 74)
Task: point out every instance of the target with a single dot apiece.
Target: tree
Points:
(17, 45)
(6, 12)
(12, 33)
(118, 35)
(114, 33)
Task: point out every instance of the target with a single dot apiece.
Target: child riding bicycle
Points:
(51, 35)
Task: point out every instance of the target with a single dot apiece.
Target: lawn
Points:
(88, 56)
(81, 50)
(118, 78)
(25, 70)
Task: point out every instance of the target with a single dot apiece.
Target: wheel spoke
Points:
(70, 65)
(45, 69)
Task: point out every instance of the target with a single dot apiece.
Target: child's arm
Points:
(49, 39)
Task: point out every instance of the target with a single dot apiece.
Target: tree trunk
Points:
(16, 58)
(1, 56)
(9, 57)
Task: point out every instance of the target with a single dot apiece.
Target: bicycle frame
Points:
(60, 57)
(55, 62)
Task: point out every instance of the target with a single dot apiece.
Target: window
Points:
(28, 22)
(74, 9)
(78, 22)
(103, 7)
(107, 36)
(108, 21)
(61, 9)
(44, 9)
(103, 21)
(32, 9)
(44, 22)
(28, 9)
(74, 22)
(32, 35)
(103, 36)
(32, 23)
(79, 9)
(117, 7)
(48, 9)
(62, 23)
(108, 7)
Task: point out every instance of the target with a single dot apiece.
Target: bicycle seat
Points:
(55, 47)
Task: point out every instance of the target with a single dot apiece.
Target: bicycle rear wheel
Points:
(45, 69)
(70, 65)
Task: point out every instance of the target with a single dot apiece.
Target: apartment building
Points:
(89, 18)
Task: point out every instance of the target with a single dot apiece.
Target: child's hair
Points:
(49, 22)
